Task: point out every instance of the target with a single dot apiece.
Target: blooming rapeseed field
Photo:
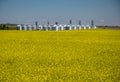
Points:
(60, 56)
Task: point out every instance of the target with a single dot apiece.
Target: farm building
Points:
(53, 27)
(56, 26)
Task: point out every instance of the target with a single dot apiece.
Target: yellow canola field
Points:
(60, 56)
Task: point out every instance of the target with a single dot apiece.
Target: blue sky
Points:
(103, 12)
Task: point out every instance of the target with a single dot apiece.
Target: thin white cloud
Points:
(102, 20)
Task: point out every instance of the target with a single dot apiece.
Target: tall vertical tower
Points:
(92, 24)
(36, 25)
(70, 21)
(56, 23)
(48, 23)
(79, 22)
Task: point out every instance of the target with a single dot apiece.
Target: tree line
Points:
(8, 26)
